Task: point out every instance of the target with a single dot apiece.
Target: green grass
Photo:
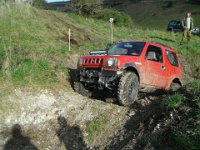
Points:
(28, 71)
(185, 142)
(31, 38)
(186, 106)
(94, 127)
(34, 43)
(194, 87)
(173, 101)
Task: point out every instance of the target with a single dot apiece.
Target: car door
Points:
(156, 73)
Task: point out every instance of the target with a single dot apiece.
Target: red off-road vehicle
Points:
(127, 67)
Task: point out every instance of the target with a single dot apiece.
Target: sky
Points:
(50, 1)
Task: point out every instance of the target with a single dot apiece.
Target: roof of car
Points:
(165, 46)
(152, 42)
(161, 44)
(174, 21)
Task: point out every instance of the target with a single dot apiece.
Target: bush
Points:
(39, 3)
(168, 4)
(85, 7)
(88, 10)
(120, 18)
(94, 10)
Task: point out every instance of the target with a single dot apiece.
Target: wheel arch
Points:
(177, 80)
(173, 85)
(133, 68)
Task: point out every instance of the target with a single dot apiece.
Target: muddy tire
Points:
(175, 86)
(81, 89)
(128, 89)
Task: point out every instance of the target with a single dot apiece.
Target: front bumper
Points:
(99, 76)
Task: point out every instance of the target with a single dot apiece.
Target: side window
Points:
(179, 23)
(172, 58)
(154, 54)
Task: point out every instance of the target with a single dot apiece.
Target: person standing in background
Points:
(187, 24)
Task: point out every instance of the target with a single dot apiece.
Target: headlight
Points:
(111, 62)
(80, 62)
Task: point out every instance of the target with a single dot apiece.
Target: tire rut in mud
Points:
(142, 123)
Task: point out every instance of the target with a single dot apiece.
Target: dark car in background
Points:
(175, 26)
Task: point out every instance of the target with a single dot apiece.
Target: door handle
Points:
(163, 68)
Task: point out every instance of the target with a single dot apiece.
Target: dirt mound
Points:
(50, 120)
(43, 119)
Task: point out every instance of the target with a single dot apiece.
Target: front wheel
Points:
(128, 89)
(81, 89)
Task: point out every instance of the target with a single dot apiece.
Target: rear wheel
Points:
(81, 89)
(170, 29)
(175, 86)
(128, 89)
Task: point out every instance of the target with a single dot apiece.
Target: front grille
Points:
(93, 61)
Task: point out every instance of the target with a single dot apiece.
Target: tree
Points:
(85, 7)
(39, 3)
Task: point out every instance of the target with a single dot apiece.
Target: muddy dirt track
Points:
(58, 120)
(141, 131)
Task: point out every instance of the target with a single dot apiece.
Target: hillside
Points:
(156, 14)
(39, 108)
(39, 40)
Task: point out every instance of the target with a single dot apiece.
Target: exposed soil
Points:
(58, 120)
(52, 120)
(144, 130)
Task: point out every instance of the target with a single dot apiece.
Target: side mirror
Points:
(108, 46)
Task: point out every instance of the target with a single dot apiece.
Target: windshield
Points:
(174, 23)
(127, 48)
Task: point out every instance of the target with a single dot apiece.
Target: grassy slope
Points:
(35, 41)
(153, 15)
(34, 44)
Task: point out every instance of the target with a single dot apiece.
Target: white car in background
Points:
(195, 31)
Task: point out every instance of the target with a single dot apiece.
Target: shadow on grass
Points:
(18, 141)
